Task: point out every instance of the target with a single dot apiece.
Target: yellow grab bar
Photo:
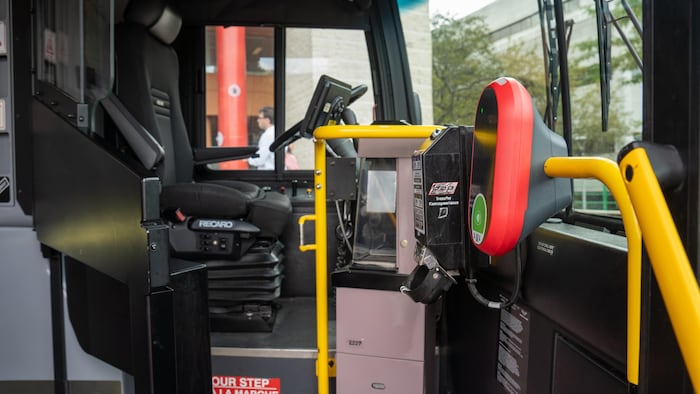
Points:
(608, 172)
(303, 246)
(374, 131)
(677, 282)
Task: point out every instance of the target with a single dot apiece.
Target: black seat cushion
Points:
(251, 191)
(205, 200)
(270, 213)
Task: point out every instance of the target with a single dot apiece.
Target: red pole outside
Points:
(231, 75)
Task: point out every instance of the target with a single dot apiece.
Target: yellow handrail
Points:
(322, 134)
(303, 246)
(608, 172)
(670, 263)
(374, 131)
(321, 265)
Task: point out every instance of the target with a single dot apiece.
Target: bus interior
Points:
(349, 196)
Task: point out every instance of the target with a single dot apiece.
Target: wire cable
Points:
(341, 219)
(471, 284)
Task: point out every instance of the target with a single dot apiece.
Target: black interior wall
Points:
(576, 331)
(671, 116)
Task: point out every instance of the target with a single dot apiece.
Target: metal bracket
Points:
(82, 116)
(341, 178)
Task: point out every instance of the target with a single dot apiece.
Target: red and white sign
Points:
(244, 385)
(443, 188)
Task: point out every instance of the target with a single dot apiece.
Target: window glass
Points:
(375, 229)
(415, 20)
(57, 49)
(315, 52)
(615, 100)
(470, 51)
(240, 92)
(58, 46)
(99, 50)
(505, 38)
(240, 106)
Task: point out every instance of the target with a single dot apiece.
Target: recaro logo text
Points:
(216, 224)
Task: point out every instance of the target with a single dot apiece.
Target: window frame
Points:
(78, 111)
(280, 84)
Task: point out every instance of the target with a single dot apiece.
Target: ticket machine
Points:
(384, 340)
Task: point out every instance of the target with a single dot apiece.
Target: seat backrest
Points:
(147, 73)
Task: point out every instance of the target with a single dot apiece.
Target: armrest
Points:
(217, 155)
(145, 147)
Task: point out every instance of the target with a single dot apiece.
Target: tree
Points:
(463, 64)
(520, 61)
(584, 71)
(585, 66)
(465, 61)
(588, 137)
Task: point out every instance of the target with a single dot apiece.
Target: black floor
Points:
(295, 328)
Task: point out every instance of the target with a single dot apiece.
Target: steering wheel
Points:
(293, 133)
(290, 135)
(357, 92)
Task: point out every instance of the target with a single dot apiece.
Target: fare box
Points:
(244, 385)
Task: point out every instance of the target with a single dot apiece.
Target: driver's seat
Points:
(223, 221)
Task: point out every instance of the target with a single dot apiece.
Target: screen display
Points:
(327, 103)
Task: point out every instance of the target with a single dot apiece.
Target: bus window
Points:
(310, 54)
(58, 47)
(56, 58)
(415, 20)
(239, 85)
(606, 101)
(499, 39)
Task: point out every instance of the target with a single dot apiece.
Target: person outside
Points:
(290, 161)
(266, 122)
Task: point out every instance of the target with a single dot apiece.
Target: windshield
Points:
(473, 44)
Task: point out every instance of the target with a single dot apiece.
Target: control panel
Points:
(216, 242)
(202, 238)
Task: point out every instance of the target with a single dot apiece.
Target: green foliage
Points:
(465, 61)
(584, 60)
(524, 63)
(584, 75)
(463, 64)
(589, 139)
(627, 62)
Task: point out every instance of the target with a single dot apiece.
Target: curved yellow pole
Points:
(677, 282)
(608, 172)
